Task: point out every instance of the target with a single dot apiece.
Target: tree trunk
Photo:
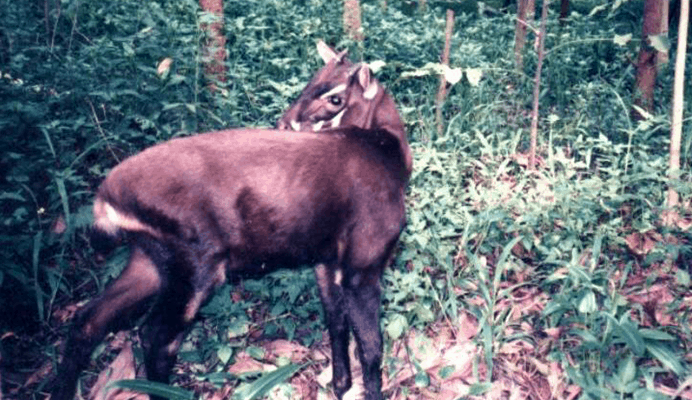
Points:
(214, 52)
(525, 13)
(564, 10)
(655, 23)
(442, 91)
(537, 85)
(678, 93)
(352, 24)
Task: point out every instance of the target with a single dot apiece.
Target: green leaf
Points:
(224, 353)
(478, 389)
(627, 372)
(648, 394)
(38, 292)
(422, 379)
(255, 352)
(396, 326)
(630, 334)
(682, 277)
(473, 75)
(153, 388)
(262, 385)
(660, 42)
(622, 40)
(587, 303)
(655, 334)
(447, 371)
(663, 354)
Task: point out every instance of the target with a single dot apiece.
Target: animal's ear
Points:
(368, 84)
(328, 54)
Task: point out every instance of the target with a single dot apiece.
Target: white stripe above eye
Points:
(337, 89)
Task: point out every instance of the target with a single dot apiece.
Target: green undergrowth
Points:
(583, 231)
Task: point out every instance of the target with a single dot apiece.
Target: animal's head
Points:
(343, 94)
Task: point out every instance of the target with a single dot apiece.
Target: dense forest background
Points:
(559, 281)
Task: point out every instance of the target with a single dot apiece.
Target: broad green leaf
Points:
(224, 353)
(682, 277)
(376, 66)
(622, 40)
(654, 334)
(478, 389)
(660, 42)
(648, 394)
(452, 75)
(262, 385)
(396, 326)
(630, 334)
(473, 75)
(422, 379)
(154, 388)
(587, 303)
(255, 352)
(627, 372)
(663, 354)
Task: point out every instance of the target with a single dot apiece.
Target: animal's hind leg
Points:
(174, 312)
(123, 300)
(163, 333)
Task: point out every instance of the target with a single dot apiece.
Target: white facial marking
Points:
(337, 119)
(317, 126)
(335, 90)
(295, 126)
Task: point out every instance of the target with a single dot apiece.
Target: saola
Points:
(198, 209)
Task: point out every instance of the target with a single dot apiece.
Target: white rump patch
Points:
(111, 220)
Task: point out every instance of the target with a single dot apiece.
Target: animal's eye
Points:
(335, 100)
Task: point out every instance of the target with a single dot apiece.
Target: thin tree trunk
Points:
(352, 21)
(214, 53)
(649, 58)
(442, 91)
(524, 15)
(564, 10)
(46, 15)
(678, 92)
(537, 85)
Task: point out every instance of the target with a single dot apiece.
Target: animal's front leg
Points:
(363, 305)
(332, 295)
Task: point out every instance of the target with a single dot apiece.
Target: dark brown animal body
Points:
(198, 209)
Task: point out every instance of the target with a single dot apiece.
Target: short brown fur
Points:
(198, 209)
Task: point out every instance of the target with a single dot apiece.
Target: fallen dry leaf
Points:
(286, 349)
(245, 364)
(123, 367)
(641, 244)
